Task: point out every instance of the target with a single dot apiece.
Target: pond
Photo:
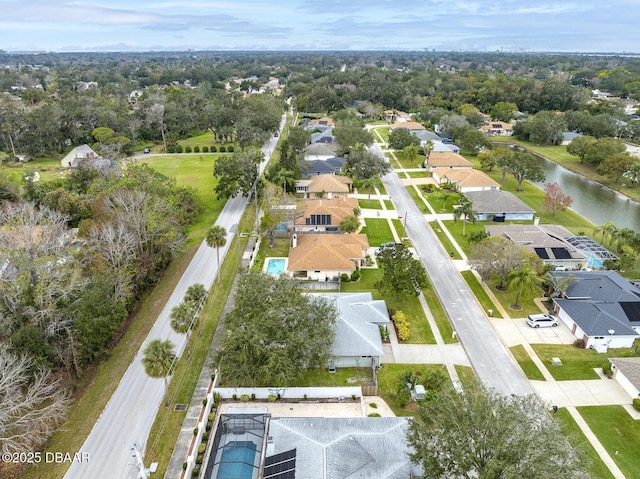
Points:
(591, 200)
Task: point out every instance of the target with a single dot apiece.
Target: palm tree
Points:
(559, 283)
(350, 224)
(215, 238)
(411, 153)
(522, 278)
(465, 209)
(158, 358)
(633, 173)
(182, 316)
(357, 212)
(370, 184)
(623, 237)
(286, 178)
(196, 294)
(428, 148)
(609, 229)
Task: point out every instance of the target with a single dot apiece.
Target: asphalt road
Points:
(129, 414)
(491, 361)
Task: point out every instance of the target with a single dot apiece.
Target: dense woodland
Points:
(77, 252)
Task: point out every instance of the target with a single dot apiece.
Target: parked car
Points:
(541, 321)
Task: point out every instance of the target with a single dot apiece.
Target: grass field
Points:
(195, 171)
(618, 433)
(444, 240)
(577, 363)
(371, 204)
(389, 381)
(377, 230)
(481, 295)
(439, 315)
(589, 457)
(417, 199)
(526, 363)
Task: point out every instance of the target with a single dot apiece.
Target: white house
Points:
(358, 342)
(627, 372)
(601, 308)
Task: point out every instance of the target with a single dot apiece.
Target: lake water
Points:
(597, 204)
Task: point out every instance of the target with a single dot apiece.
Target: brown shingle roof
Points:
(322, 121)
(444, 159)
(466, 177)
(409, 125)
(330, 184)
(338, 208)
(327, 252)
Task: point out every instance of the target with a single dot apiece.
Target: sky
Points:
(417, 25)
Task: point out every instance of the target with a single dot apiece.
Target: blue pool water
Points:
(275, 266)
(237, 460)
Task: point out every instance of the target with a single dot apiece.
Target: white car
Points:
(541, 321)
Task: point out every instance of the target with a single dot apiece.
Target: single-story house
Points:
(325, 121)
(82, 154)
(324, 186)
(602, 308)
(627, 372)
(323, 214)
(497, 128)
(396, 116)
(332, 166)
(449, 160)
(499, 206)
(358, 342)
(334, 447)
(326, 256)
(438, 145)
(465, 179)
(406, 125)
(320, 151)
(547, 241)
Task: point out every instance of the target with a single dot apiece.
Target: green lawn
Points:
(206, 139)
(507, 298)
(588, 455)
(442, 201)
(417, 199)
(195, 171)
(481, 295)
(389, 380)
(466, 375)
(342, 377)
(378, 231)
(577, 363)
(389, 204)
(399, 227)
(48, 168)
(444, 240)
(618, 433)
(370, 204)
(381, 132)
(526, 363)
(439, 315)
(280, 250)
(419, 174)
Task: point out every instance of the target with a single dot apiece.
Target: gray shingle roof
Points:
(339, 448)
(630, 367)
(357, 331)
(602, 300)
(497, 201)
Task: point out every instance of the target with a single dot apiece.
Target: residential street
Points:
(130, 412)
(490, 359)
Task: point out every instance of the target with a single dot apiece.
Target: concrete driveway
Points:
(515, 331)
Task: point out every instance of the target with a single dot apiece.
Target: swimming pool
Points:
(237, 460)
(275, 266)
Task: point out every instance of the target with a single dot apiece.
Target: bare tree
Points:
(33, 402)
